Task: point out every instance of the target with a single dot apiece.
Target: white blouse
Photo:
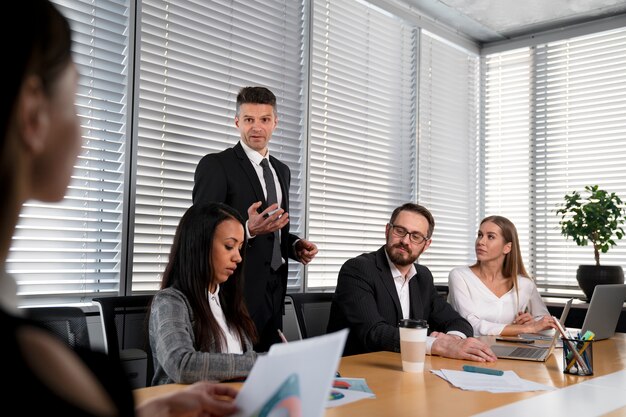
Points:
(487, 313)
(233, 344)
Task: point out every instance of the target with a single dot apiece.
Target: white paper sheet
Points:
(357, 389)
(293, 377)
(593, 397)
(471, 381)
(346, 397)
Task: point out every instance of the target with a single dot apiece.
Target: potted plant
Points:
(595, 218)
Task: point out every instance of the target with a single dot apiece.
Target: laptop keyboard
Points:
(528, 353)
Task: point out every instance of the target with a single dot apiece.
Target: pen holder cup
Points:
(580, 361)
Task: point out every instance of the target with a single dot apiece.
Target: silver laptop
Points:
(547, 335)
(531, 353)
(604, 310)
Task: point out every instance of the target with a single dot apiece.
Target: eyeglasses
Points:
(401, 232)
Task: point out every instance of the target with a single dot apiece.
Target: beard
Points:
(402, 258)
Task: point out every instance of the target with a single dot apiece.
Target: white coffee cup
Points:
(413, 344)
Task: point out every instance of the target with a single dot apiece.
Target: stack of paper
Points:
(470, 381)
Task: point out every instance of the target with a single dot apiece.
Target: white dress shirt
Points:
(233, 344)
(402, 286)
(256, 159)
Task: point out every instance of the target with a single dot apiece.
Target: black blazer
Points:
(229, 177)
(366, 301)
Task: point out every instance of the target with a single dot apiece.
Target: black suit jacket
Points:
(229, 177)
(366, 301)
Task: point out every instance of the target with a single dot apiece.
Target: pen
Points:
(282, 336)
(479, 370)
(571, 346)
(581, 346)
(580, 352)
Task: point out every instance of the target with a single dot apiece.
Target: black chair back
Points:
(312, 311)
(125, 324)
(67, 323)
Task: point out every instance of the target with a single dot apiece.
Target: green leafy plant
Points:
(595, 218)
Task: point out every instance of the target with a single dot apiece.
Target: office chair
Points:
(291, 327)
(67, 323)
(443, 290)
(312, 311)
(125, 328)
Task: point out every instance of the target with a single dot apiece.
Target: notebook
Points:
(604, 310)
(531, 353)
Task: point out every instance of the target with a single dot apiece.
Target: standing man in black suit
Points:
(376, 290)
(242, 178)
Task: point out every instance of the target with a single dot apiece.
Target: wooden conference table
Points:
(404, 394)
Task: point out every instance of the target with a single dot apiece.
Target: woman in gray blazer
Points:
(199, 325)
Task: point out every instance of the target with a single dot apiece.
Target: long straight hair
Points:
(190, 271)
(513, 265)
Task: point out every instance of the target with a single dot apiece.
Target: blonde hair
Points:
(513, 265)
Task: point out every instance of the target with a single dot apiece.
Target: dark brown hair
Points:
(189, 270)
(418, 209)
(256, 95)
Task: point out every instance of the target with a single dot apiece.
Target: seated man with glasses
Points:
(376, 290)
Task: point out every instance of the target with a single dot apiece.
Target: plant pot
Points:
(588, 276)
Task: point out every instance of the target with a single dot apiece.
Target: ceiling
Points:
(487, 21)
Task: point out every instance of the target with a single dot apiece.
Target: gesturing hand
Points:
(269, 220)
(305, 251)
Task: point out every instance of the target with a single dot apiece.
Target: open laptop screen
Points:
(604, 310)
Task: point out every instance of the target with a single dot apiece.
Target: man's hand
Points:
(264, 222)
(305, 251)
(454, 347)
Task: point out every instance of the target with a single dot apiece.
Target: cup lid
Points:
(413, 324)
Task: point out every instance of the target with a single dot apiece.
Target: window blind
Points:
(448, 149)
(576, 96)
(65, 253)
(194, 58)
(508, 151)
(362, 130)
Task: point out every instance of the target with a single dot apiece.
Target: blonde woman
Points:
(496, 294)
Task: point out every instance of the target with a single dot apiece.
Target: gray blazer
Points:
(175, 358)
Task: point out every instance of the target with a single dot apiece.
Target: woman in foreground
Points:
(40, 141)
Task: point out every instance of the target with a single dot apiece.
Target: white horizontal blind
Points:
(508, 127)
(577, 93)
(362, 117)
(448, 151)
(195, 56)
(68, 252)
(580, 140)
